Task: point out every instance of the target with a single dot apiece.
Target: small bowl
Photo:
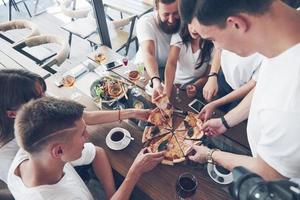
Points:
(134, 75)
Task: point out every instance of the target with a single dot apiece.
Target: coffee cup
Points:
(219, 174)
(118, 138)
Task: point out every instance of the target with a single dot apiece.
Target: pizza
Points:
(159, 117)
(100, 58)
(151, 132)
(160, 135)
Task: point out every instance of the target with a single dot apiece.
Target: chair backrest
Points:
(20, 24)
(58, 59)
(121, 24)
(68, 10)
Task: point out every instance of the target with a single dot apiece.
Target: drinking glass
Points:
(186, 186)
(125, 61)
(141, 70)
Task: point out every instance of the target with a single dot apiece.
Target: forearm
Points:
(216, 61)
(151, 65)
(241, 111)
(103, 172)
(236, 94)
(256, 165)
(200, 82)
(101, 117)
(126, 187)
(169, 77)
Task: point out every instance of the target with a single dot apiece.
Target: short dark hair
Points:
(292, 3)
(163, 1)
(215, 12)
(16, 88)
(38, 120)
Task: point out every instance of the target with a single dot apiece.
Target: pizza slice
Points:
(159, 118)
(193, 120)
(177, 153)
(153, 131)
(160, 144)
(193, 126)
(162, 102)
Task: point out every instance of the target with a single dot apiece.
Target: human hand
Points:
(201, 153)
(157, 90)
(142, 114)
(210, 89)
(207, 111)
(191, 90)
(213, 127)
(145, 162)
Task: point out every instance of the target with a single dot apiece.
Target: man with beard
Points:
(154, 31)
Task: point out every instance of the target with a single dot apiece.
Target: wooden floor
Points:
(50, 22)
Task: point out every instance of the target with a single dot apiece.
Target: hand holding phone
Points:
(196, 105)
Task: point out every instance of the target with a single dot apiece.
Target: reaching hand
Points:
(191, 91)
(213, 127)
(157, 91)
(201, 154)
(145, 162)
(210, 89)
(207, 111)
(142, 114)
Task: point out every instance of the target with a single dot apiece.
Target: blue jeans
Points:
(224, 89)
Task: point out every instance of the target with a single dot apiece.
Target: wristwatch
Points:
(209, 158)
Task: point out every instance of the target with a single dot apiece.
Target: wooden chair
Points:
(122, 38)
(56, 59)
(5, 27)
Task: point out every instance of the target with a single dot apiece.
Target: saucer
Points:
(112, 146)
(224, 179)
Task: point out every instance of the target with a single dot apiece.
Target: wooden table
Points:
(130, 7)
(12, 59)
(160, 182)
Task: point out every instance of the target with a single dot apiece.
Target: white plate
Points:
(228, 178)
(126, 142)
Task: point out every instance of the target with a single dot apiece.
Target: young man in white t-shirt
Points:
(272, 29)
(52, 135)
(237, 78)
(154, 31)
(19, 87)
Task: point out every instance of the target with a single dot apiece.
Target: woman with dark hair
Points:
(16, 88)
(188, 62)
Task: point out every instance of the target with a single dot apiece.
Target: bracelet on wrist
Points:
(151, 80)
(209, 157)
(213, 74)
(225, 123)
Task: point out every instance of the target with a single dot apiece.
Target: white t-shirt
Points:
(71, 186)
(274, 118)
(147, 29)
(187, 61)
(7, 154)
(239, 70)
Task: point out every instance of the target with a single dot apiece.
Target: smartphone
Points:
(196, 105)
(112, 65)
